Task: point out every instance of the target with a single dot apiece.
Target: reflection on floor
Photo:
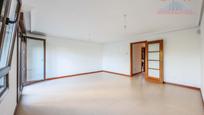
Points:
(108, 94)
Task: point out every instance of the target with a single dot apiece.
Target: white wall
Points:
(116, 57)
(64, 57)
(202, 57)
(67, 57)
(8, 101)
(181, 56)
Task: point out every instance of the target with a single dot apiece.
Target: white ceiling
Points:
(104, 20)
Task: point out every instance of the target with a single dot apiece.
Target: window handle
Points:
(8, 21)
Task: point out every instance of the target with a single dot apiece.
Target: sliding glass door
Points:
(35, 60)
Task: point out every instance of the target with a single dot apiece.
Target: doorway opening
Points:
(146, 59)
(138, 58)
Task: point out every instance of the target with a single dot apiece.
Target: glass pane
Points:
(6, 46)
(153, 56)
(154, 47)
(13, 10)
(154, 73)
(3, 7)
(8, 38)
(153, 64)
(35, 60)
(3, 4)
(2, 83)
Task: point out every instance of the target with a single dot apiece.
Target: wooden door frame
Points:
(44, 47)
(19, 61)
(131, 56)
(20, 31)
(161, 63)
(144, 56)
(161, 79)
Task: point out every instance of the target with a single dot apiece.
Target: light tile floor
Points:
(108, 94)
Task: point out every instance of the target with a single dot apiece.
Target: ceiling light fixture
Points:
(125, 22)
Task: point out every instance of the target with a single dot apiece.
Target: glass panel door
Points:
(155, 61)
(35, 60)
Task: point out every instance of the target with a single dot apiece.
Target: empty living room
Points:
(102, 57)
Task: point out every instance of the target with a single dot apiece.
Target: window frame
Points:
(3, 28)
(4, 71)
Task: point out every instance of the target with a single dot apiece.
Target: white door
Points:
(35, 60)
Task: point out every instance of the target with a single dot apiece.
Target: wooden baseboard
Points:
(86, 73)
(136, 73)
(74, 75)
(185, 86)
(17, 103)
(15, 111)
(189, 87)
(116, 73)
(202, 96)
(32, 82)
